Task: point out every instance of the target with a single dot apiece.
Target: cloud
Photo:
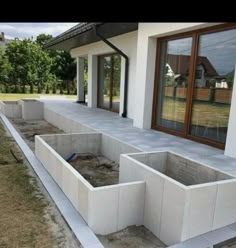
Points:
(28, 30)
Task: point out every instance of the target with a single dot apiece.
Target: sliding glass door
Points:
(213, 85)
(193, 85)
(109, 67)
(173, 82)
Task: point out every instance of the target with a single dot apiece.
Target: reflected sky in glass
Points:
(219, 48)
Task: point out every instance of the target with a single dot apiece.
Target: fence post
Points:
(212, 95)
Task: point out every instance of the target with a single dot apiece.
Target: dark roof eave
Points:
(78, 29)
(86, 35)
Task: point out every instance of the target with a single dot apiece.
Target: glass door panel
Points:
(214, 76)
(109, 82)
(173, 73)
(104, 82)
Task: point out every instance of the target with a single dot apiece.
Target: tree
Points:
(5, 67)
(30, 63)
(64, 67)
(41, 39)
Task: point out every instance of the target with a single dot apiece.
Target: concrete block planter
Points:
(174, 197)
(32, 109)
(11, 109)
(106, 209)
(65, 123)
(183, 198)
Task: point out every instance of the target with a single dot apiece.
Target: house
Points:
(3, 40)
(179, 65)
(131, 64)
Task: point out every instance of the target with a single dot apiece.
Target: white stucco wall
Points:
(231, 134)
(126, 43)
(145, 67)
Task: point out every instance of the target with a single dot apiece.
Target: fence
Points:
(202, 94)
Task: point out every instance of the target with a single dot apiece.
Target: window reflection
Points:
(173, 82)
(213, 90)
(210, 89)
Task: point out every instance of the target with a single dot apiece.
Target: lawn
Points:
(15, 97)
(25, 218)
(204, 114)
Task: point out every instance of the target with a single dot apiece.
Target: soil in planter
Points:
(29, 128)
(131, 237)
(97, 170)
(231, 243)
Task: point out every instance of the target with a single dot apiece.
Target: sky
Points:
(28, 30)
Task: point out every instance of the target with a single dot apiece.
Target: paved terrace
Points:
(146, 140)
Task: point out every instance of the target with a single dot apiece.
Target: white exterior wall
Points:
(231, 134)
(127, 43)
(140, 46)
(145, 67)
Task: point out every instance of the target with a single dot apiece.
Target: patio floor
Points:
(146, 140)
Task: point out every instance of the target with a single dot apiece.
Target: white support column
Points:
(122, 85)
(92, 81)
(80, 79)
(145, 70)
(231, 134)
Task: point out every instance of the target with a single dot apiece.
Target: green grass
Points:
(203, 114)
(15, 97)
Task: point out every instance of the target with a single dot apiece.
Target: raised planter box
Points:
(106, 209)
(65, 123)
(32, 109)
(11, 109)
(183, 198)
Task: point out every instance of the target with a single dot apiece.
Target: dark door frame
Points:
(190, 90)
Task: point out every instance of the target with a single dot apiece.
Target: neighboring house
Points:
(3, 40)
(179, 65)
(128, 64)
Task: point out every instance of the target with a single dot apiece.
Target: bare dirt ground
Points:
(97, 170)
(30, 128)
(28, 216)
(131, 237)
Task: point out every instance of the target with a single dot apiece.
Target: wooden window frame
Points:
(195, 34)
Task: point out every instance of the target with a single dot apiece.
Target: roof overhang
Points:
(80, 37)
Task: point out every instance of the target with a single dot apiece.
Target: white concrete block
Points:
(131, 204)
(158, 161)
(32, 109)
(44, 155)
(64, 145)
(173, 207)
(225, 209)
(52, 162)
(75, 126)
(130, 170)
(67, 124)
(70, 184)
(201, 209)
(94, 141)
(153, 202)
(79, 143)
(59, 163)
(51, 140)
(83, 197)
(103, 209)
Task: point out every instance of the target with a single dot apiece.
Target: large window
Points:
(109, 68)
(194, 80)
